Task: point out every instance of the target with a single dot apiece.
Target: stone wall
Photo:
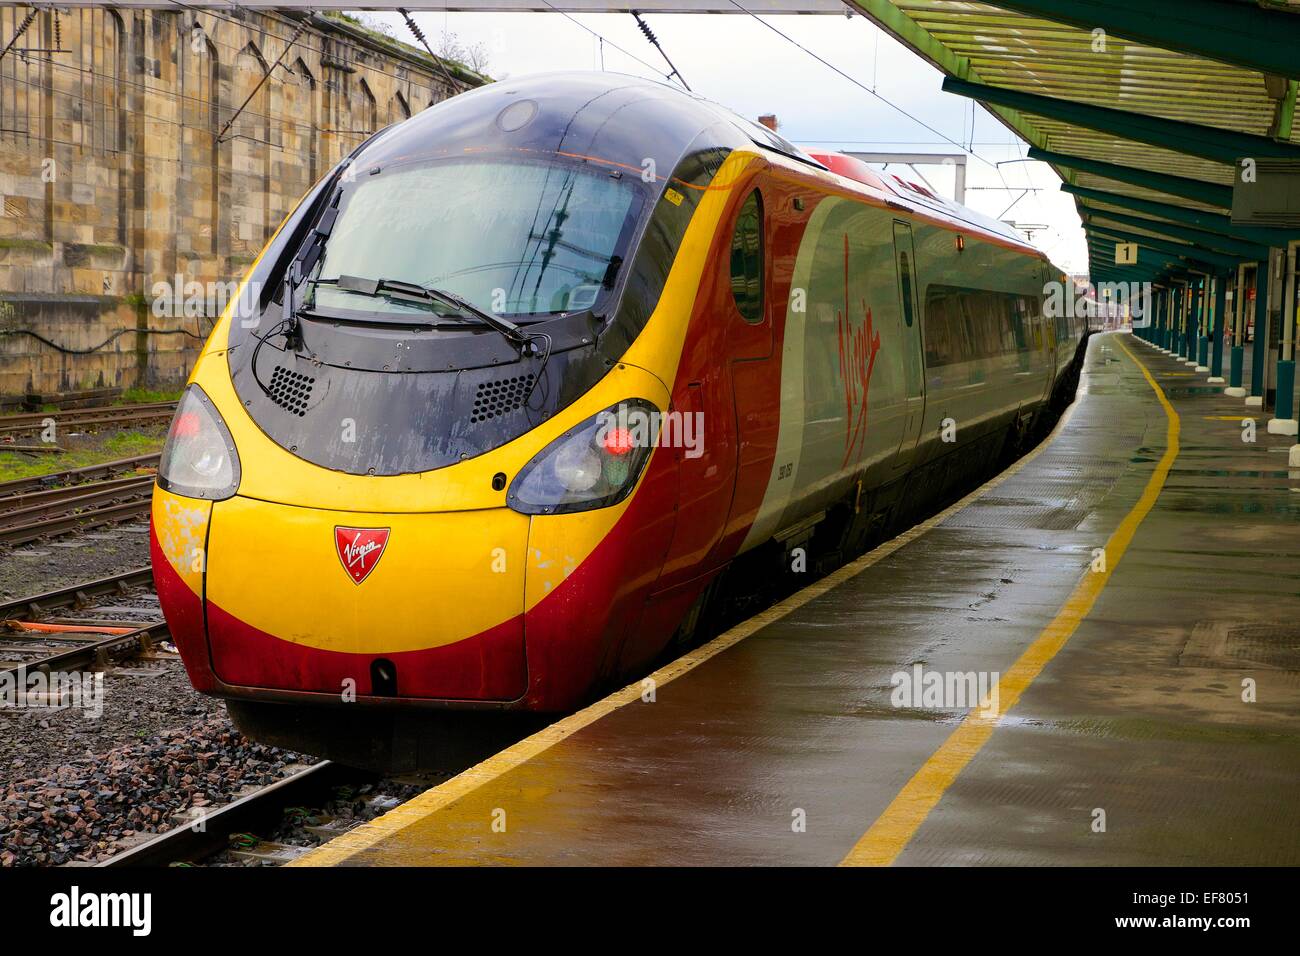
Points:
(127, 163)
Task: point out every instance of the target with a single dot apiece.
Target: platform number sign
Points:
(1126, 253)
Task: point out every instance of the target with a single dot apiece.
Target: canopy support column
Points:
(1284, 420)
(1237, 361)
(1217, 327)
(1258, 351)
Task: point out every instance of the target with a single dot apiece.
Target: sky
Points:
(742, 64)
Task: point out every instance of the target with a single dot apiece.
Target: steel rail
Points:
(66, 522)
(70, 496)
(76, 595)
(258, 810)
(84, 417)
(76, 475)
(86, 655)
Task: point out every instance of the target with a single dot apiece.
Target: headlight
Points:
(199, 459)
(593, 465)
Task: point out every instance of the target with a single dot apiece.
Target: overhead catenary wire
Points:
(654, 41)
(826, 63)
(22, 28)
(303, 44)
(135, 84)
(1022, 195)
(138, 85)
(628, 53)
(601, 39)
(282, 17)
(170, 122)
(896, 142)
(218, 15)
(123, 82)
(419, 35)
(262, 82)
(128, 83)
(964, 148)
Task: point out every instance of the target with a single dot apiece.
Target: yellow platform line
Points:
(881, 845)
(382, 828)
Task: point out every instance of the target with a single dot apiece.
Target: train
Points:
(544, 382)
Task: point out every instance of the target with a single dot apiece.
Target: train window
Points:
(516, 238)
(905, 280)
(962, 325)
(747, 259)
(1019, 324)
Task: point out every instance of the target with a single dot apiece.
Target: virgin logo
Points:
(360, 549)
(858, 347)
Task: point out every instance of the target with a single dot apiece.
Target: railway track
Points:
(76, 476)
(80, 627)
(90, 419)
(84, 627)
(126, 603)
(31, 515)
(52, 498)
(231, 827)
(275, 824)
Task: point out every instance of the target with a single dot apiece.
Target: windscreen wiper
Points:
(512, 332)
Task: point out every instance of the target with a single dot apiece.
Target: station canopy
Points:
(1145, 109)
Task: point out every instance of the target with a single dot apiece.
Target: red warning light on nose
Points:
(618, 441)
(186, 425)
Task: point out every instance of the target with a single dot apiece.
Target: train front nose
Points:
(375, 605)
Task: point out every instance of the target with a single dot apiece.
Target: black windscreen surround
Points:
(557, 202)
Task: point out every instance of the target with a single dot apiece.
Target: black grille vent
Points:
(291, 390)
(494, 399)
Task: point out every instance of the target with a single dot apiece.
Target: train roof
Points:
(895, 190)
(623, 119)
(632, 121)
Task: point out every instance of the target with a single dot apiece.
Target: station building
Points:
(146, 155)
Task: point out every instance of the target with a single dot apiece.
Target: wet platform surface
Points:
(779, 743)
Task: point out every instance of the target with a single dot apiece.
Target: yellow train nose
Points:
(403, 604)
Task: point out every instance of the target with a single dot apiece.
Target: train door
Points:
(720, 367)
(914, 357)
(755, 371)
(1051, 339)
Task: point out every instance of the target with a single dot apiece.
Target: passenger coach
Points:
(558, 374)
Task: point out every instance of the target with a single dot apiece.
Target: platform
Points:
(1120, 736)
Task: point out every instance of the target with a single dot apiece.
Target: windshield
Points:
(512, 238)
